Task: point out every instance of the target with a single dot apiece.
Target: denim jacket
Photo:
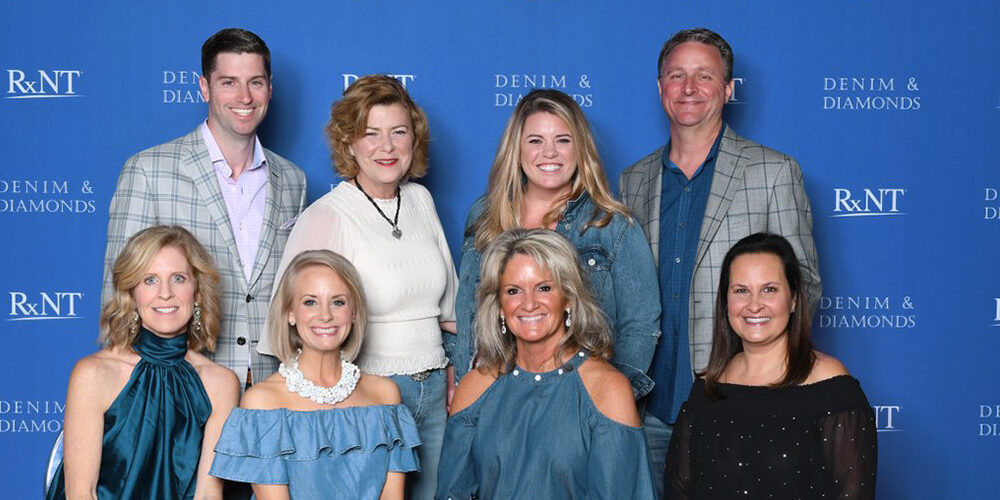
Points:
(622, 276)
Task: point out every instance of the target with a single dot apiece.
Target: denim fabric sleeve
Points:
(456, 474)
(637, 292)
(618, 466)
(461, 347)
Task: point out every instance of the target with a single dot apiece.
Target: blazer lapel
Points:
(653, 190)
(272, 214)
(725, 183)
(198, 166)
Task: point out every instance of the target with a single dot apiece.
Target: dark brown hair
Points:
(234, 41)
(725, 342)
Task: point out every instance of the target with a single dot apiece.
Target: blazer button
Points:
(241, 340)
(249, 298)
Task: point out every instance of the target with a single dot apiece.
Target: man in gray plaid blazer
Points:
(695, 197)
(218, 182)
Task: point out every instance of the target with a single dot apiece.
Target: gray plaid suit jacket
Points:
(175, 184)
(754, 189)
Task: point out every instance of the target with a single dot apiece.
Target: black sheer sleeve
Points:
(851, 451)
(677, 477)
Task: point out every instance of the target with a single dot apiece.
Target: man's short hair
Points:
(235, 41)
(701, 35)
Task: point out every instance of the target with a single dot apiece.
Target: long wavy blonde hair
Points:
(505, 190)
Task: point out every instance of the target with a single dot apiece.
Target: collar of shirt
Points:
(572, 211)
(219, 161)
(669, 166)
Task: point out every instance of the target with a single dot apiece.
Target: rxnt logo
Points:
(43, 306)
(42, 84)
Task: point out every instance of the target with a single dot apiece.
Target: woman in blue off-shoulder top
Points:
(544, 415)
(319, 428)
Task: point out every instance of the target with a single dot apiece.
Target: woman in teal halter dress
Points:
(143, 413)
(319, 428)
(544, 415)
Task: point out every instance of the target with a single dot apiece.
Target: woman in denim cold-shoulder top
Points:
(543, 415)
(547, 174)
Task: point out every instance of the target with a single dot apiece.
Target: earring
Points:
(133, 327)
(503, 325)
(291, 323)
(196, 322)
(568, 320)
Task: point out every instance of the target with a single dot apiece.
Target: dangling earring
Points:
(503, 325)
(568, 320)
(196, 322)
(133, 327)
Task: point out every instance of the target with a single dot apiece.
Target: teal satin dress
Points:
(153, 429)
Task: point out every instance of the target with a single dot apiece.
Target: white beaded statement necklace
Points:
(299, 384)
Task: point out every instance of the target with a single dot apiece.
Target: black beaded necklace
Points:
(396, 233)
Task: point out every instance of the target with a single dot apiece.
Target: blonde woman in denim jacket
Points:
(547, 174)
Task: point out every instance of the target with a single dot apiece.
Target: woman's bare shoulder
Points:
(266, 395)
(104, 366)
(472, 386)
(825, 367)
(378, 390)
(610, 391)
(218, 380)
(100, 376)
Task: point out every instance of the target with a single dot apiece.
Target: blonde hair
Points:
(552, 252)
(349, 120)
(284, 337)
(505, 189)
(131, 266)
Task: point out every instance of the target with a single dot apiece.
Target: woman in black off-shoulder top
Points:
(770, 417)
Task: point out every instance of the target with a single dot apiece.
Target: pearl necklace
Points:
(299, 384)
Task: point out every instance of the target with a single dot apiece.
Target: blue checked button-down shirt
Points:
(682, 209)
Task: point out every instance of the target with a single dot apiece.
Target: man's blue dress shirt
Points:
(682, 209)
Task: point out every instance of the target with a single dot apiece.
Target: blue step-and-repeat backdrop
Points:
(891, 107)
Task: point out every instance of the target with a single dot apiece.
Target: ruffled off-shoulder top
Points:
(335, 453)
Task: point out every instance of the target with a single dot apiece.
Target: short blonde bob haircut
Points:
(555, 254)
(349, 121)
(131, 267)
(505, 188)
(285, 338)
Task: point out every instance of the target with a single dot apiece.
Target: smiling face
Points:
(693, 87)
(759, 298)
(385, 151)
(548, 153)
(237, 93)
(533, 307)
(321, 309)
(165, 296)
